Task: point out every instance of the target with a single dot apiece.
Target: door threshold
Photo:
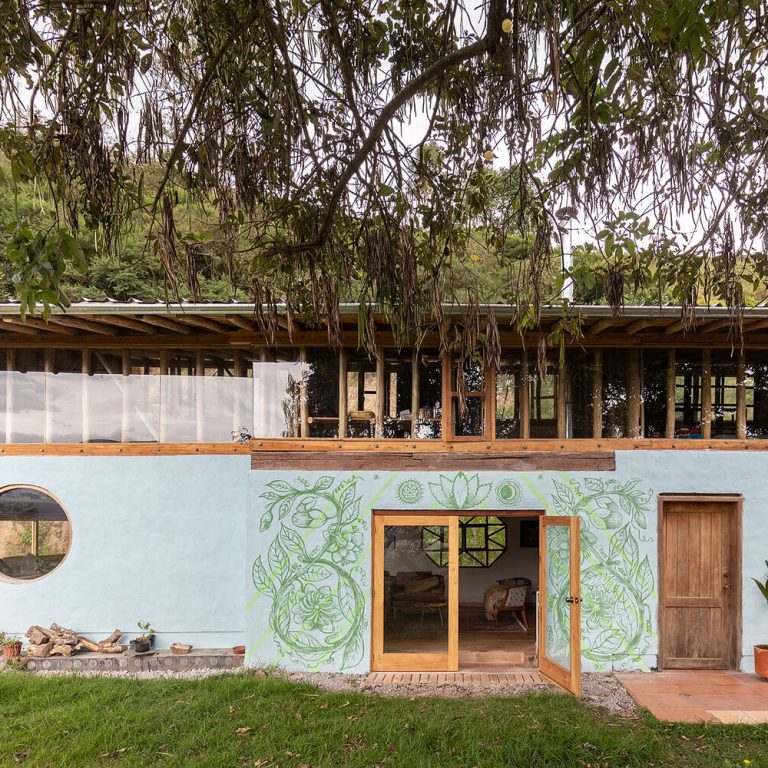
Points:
(510, 677)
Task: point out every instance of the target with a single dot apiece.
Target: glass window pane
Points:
(724, 389)
(362, 397)
(655, 392)
(756, 380)
(471, 423)
(581, 369)
(688, 371)
(415, 589)
(615, 410)
(398, 394)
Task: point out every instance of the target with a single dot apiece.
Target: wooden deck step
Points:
(499, 678)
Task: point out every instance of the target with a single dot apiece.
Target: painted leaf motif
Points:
(323, 483)
(259, 576)
(623, 549)
(594, 484)
(266, 521)
(277, 558)
(291, 540)
(353, 652)
(285, 507)
(281, 487)
(645, 578)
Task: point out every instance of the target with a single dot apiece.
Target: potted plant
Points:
(761, 651)
(11, 646)
(143, 643)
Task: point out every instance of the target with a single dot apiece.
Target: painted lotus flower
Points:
(460, 491)
(316, 609)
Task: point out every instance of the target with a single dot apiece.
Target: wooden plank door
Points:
(700, 582)
(415, 630)
(560, 601)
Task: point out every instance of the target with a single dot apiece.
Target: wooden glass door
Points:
(415, 593)
(560, 601)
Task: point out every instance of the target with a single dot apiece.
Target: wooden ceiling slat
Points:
(639, 325)
(42, 325)
(245, 323)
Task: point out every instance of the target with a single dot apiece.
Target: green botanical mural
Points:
(312, 570)
(317, 611)
(616, 582)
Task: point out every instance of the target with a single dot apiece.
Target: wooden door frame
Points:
(414, 662)
(737, 503)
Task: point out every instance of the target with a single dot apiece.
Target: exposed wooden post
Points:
(343, 397)
(562, 401)
(669, 429)
(303, 402)
(126, 371)
(446, 400)
(47, 404)
(85, 368)
(597, 395)
(163, 361)
(706, 394)
(525, 391)
(380, 385)
(489, 425)
(10, 365)
(741, 398)
(634, 403)
(199, 396)
(415, 387)
(237, 373)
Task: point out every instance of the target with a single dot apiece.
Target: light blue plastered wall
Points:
(158, 539)
(215, 554)
(309, 549)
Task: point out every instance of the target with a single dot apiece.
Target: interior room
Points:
(498, 581)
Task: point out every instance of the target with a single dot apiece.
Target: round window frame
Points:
(5, 578)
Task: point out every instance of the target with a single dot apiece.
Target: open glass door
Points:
(415, 593)
(560, 602)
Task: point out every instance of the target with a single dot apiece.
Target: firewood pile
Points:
(61, 641)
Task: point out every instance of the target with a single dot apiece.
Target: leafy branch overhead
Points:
(367, 151)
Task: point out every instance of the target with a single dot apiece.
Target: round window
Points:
(35, 534)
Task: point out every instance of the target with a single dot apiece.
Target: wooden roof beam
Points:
(42, 325)
(167, 324)
(639, 325)
(128, 323)
(17, 326)
(243, 323)
(600, 326)
(204, 322)
(82, 325)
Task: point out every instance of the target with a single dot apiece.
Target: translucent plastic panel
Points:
(415, 590)
(25, 407)
(179, 409)
(64, 407)
(558, 584)
(276, 399)
(225, 405)
(104, 408)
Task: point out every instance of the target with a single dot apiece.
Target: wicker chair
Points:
(514, 600)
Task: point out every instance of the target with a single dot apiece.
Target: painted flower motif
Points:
(508, 492)
(410, 492)
(598, 609)
(344, 543)
(317, 609)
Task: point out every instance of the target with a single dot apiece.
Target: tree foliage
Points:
(344, 148)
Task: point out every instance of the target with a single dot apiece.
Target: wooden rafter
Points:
(83, 325)
(167, 324)
(242, 322)
(41, 325)
(128, 323)
(639, 325)
(600, 326)
(17, 326)
(204, 322)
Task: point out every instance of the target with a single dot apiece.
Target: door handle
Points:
(572, 600)
(726, 587)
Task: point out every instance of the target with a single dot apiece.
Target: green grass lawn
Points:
(237, 720)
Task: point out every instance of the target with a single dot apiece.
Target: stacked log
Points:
(62, 641)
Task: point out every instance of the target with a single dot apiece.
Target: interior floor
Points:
(481, 644)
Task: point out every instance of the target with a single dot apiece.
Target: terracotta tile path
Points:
(690, 696)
